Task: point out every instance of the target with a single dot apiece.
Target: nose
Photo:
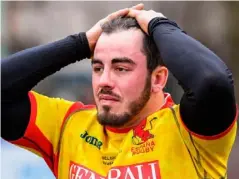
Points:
(106, 79)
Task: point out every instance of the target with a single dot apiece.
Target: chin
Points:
(112, 119)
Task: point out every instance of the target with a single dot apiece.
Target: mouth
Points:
(108, 98)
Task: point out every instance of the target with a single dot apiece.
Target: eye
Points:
(121, 69)
(98, 69)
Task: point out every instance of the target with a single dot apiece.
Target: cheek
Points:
(133, 87)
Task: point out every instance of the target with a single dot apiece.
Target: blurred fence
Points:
(27, 24)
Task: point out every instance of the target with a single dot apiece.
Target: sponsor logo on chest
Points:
(91, 140)
(147, 170)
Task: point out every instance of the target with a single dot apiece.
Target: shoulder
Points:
(81, 114)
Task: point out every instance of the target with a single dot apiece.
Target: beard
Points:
(118, 120)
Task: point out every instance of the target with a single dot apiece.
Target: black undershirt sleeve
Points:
(23, 70)
(208, 104)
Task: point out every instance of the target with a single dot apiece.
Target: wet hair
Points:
(149, 47)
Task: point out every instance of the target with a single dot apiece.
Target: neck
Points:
(155, 102)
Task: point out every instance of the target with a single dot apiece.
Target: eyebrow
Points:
(95, 61)
(114, 60)
(123, 60)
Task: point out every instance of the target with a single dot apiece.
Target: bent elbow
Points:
(217, 85)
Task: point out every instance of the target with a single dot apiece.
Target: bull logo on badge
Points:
(141, 134)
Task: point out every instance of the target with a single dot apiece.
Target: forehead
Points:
(120, 44)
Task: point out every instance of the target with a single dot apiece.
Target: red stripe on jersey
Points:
(34, 138)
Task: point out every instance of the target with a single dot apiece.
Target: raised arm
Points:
(23, 70)
(208, 105)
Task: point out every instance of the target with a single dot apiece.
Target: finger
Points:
(133, 13)
(116, 14)
(138, 6)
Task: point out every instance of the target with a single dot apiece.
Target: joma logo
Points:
(91, 140)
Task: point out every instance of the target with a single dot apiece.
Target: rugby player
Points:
(135, 130)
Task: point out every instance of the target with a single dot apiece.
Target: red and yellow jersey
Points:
(74, 145)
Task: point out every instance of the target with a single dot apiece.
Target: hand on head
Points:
(143, 17)
(94, 33)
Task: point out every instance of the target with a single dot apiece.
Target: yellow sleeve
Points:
(44, 128)
(209, 153)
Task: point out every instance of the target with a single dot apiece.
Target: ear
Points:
(159, 78)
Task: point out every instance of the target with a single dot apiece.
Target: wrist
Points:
(83, 44)
(90, 40)
(158, 21)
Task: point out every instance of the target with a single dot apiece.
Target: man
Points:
(135, 130)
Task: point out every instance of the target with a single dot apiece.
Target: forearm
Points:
(206, 80)
(23, 70)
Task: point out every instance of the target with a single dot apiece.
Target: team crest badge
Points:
(142, 138)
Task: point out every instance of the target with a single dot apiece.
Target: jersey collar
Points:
(167, 103)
